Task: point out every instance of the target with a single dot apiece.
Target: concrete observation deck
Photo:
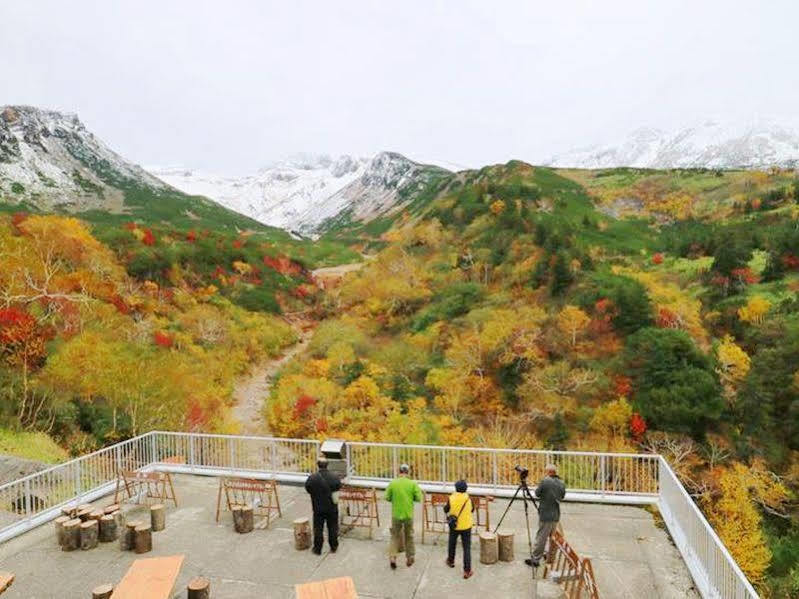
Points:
(632, 557)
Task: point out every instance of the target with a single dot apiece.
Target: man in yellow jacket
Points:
(460, 506)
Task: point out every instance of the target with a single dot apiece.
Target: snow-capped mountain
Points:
(278, 194)
(50, 160)
(302, 192)
(758, 144)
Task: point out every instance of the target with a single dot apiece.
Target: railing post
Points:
(602, 474)
(191, 451)
(495, 468)
(153, 452)
(443, 465)
(394, 464)
(273, 457)
(28, 499)
(232, 454)
(349, 458)
(78, 483)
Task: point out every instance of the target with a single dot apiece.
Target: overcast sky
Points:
(231, 85)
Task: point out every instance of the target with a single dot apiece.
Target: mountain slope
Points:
(311, 193)
(758, 144)
(50, 162)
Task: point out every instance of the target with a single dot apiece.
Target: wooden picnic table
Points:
(150, 578)
(6, 578)
(333, 588)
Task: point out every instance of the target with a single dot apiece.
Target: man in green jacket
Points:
(402, 492)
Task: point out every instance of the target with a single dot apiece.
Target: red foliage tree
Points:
(120, 304)
(149, 238)
(162, 339)
(17, 220)
(744, 275)
(302, 405)
(790, 261)
(196, 417)
(637, 426)
(657, 258)
(622, 385)
(131, 226)
(237, 243)
(191, 236)
(667, 319)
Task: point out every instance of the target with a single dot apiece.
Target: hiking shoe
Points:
(532, 562)
(409, 561)
(449, 562)
(393, 563)
(468, 573)
(316, 551)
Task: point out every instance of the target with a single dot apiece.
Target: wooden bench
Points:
(6, 578)
(151, 578)
(357, 506)
(434, 520)
(261, 495)
(150, 485)
(333, 588)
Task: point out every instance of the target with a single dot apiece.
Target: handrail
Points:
(595, 476)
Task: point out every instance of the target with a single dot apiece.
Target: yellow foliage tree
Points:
(497, 206)
(737, 520)
(755, 310)
(613, 418)
(733, 361)
(572, 321)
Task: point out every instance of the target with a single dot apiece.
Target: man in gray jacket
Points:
(550, 492)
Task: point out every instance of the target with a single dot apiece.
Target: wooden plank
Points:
(6, 578)
(151, 578)
(333, 588)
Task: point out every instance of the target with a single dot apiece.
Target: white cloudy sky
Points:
(230, 85)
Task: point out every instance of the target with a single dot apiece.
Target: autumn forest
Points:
(629, 310)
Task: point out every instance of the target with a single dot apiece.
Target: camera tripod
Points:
(527, 497)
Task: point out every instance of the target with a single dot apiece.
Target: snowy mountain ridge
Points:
(299, 193)
(279, 194)
(759, 143)
(50, 159)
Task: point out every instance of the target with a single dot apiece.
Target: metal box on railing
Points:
(336, 453)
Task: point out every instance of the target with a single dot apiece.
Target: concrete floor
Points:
(632, 558)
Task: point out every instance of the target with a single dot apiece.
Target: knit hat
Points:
(460, 486)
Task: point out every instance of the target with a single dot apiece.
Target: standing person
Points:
(458, 509)
(550, 492)
(402, 492)
(321, 485)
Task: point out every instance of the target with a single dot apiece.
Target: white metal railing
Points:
(609, 477)
(38, 497)
(714, 570)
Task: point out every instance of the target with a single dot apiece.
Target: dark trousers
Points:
(466, 538)
(319, 521)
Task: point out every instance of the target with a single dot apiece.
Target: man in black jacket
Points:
(321, 486)
(550, 492)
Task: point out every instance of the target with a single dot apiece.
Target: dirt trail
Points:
(251, 391)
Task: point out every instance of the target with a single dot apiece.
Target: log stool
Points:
(108, 529)
(89, 531)
(95, 515)
(127, 535)
(489, 549)
(302, 534)
(69, 511)
(111, 508)
(71, 535)
(59, 528)
(199, 588)
(243, 518)
(143, 538)
(158, 517)
(84, 513)
(102, 592)
(505, 546)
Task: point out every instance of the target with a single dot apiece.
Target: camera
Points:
(523, 472)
